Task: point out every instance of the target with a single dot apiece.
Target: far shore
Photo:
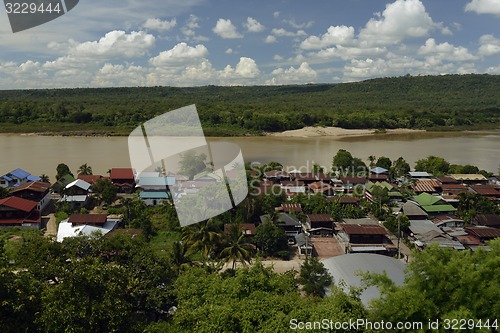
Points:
(308, 132)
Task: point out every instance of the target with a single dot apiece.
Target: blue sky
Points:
(201, 42)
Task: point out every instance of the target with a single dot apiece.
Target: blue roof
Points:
(32, 178)
(19, 173)
(6, 177)
(156, 181)
(153, 195)
(379, 170)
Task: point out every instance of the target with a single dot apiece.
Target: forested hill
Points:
(431, 102)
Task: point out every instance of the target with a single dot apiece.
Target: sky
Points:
(220, 42)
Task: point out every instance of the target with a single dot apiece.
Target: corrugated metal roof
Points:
(363, 229)
(122, 173)
(18, 203)
(32, 186)
(88, 218)
(468, 177)
(153, 195)
(483, 232)
(19, 173)
(347, 267)
(79, 183)
(320, 217)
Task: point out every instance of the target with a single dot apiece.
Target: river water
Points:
(41, 154)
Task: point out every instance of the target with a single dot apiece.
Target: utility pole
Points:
(399, 235)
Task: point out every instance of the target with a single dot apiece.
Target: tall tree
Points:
(314, 277)
(192, 163)
(44, 178)
(62, 170)
(201, 236)
(236, 247)
(85, 169)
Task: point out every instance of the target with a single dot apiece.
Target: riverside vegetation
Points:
(455, 102)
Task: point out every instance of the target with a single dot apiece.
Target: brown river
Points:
(41, 154)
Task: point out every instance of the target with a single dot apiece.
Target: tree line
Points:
(427, 102)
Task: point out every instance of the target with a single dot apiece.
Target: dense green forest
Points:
(429, 102)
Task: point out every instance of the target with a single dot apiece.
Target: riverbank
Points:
(308, 132)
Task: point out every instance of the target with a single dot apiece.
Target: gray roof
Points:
(411, 209)
(419, 174)
(283, 219)
(346, 267)
(420, 227)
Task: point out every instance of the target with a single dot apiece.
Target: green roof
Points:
(385, 185)
(439, 208)
(426, 199)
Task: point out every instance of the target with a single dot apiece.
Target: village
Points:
(321, 214)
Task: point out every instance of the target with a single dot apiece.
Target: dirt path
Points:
(51, 229)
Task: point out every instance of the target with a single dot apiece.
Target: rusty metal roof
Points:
(363, 229)
(87, 218)
(18, 204)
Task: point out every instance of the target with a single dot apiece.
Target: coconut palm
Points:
(44, 178)
(237, 249)
(372, 159)
(85, 169)
(201, 236)
(179, 256)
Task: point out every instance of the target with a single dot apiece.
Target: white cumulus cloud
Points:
(489, 45)
(181, 54)
(226, 29)
(445, 51)
(335, 35)
(400, 20)
(303, 74)
(253, 25)
(484, 7)
(159, 25)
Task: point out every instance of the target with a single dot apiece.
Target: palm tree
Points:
(201, 236)
(237, 249)
(85, 169)
(372, 159)
(179, 255)
(44, 178)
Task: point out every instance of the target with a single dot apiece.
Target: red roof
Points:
(19, 204)
(320, 217)
(483, 232)
(91, 179)
(363, 229)
(122, 173)
(486, 190)
(32, 186)
(426, 185)
(353, 180)
(87, 218)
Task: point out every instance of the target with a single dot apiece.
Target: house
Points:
(154, 198)
(17, 177)
(446, 222)
(346, 268)
(277, 176)
(452, 188)
(19, 212)
(365, 238)
(155, 183)
(287, 222)
(86, 225)
(247, 229)
(439, 237)
(413, 211)
(321, 187)
(349, 183)
(304, 244)
(62, 182)
(430, 186)
(320, 224)
(492, 192)
(306, 177)
(470, 179)
(433, 205)
(265, 187)
(483, 233)
(419, 175)
(91, 179)
(293, 186)
(77, 193)
(38, 192)
(393, 193)
(290, 208)
(378, 174)
(123, 179)
(487, 220)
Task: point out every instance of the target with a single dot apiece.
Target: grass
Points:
(13, 239)
(163, 241)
